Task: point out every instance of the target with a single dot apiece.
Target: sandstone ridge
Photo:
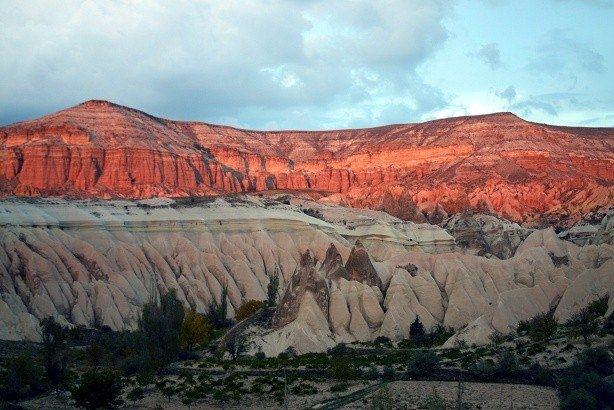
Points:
(498, 163)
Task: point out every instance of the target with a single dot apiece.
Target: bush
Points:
(382, 341)
(578, 399)
(339, 387)
(587, 321)
(248, 308)
(94, 354)
(98, 389)
(540, 375)
(22, 378)
(342, 368)
(382, 400)
(596, 391)
(195, 331)
(422, 363)
(483, 370)
(434, 401)
(388, 373)
(596, 360)
(136, 394)
(304, 389)
(540, 328)
(314, 213)
(508, 364)
(440, 335)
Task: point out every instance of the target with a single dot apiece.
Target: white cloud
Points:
(222, 59)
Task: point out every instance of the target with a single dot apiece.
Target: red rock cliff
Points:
(499, 162)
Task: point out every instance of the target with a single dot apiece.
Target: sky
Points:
(312, 64)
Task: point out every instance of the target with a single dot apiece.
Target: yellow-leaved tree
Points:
(195, 330)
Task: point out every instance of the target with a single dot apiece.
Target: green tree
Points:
(98, 389)
(248, 308)
(540, 328)
(218, 312)
(161, 327)
(273, 288)
(55, 351)
(417, 333)
(195, 330)
(587, 321)
(22, 378)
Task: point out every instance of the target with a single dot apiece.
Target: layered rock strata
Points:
(499, 163)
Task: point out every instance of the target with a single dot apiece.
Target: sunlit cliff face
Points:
(498, 163)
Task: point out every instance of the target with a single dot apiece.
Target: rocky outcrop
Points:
(95, 263)
(359, 267)
(306, 282)
(499, 163)
(485, 234)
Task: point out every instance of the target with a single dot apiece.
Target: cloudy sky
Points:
(312, 64)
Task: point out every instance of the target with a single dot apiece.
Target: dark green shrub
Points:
(304, 389)
(98, 389)
(55, 351)
(22, 378)
(382, 341)
(586, 322)
(388, 373)
(218, 312)
(339, 387)
(507, 365)
(339, 349)
(596, 360)
(586, 384)
(94, 354)
(483, 370)
(578, 399)
(417, 334)
(342, 368)
(272, 289)
(422, 363)
(382, 400)
(136, 394)
(540, 328)
(540, 375)
(440, 335)
(161, 328)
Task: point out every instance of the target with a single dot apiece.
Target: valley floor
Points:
(401, 394)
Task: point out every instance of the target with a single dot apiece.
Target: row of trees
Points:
(166, 331)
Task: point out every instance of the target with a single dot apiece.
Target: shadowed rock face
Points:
(523, 171)
(306, 278)
(359, 267)
(332, 266)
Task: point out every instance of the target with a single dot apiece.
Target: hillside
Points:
(523, 171)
